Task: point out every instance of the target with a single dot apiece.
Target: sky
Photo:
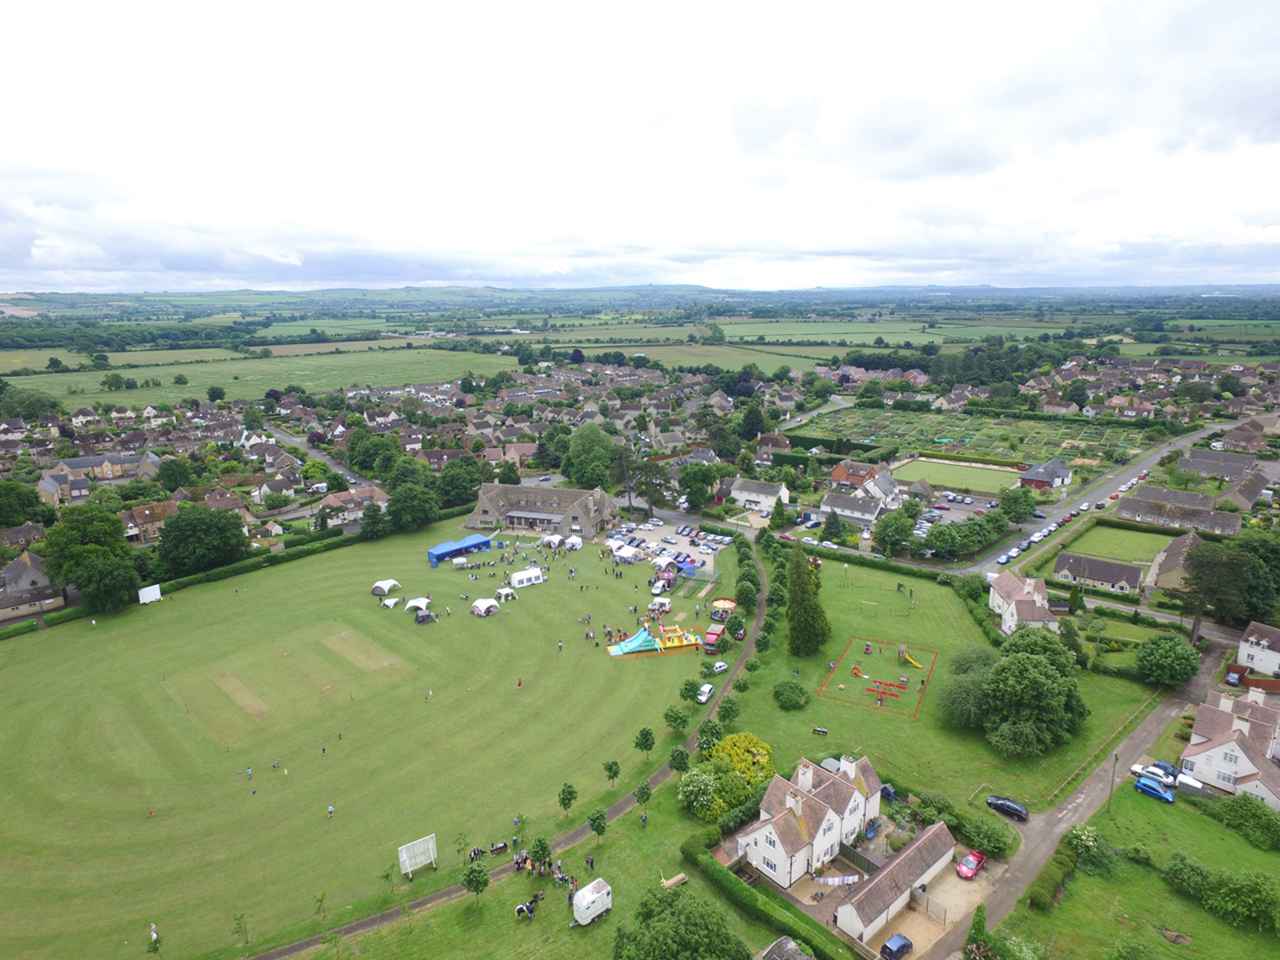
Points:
(764, 146)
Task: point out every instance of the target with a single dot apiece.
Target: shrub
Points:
(899, 840)
(741, 685)
(1246, 815)
(1093, 853)
(752, 665)
(790, 695)
(1052, 877)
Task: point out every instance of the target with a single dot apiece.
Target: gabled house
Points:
(1259, 649)
(858, 509)
(1234, 746)
(544, 509)
(851, 473)
(804, 820)
(22, 536)
(1169, 568)
(1020, 602)
(143, 524)
(1097, 572)
(347, 506)
(874, 903)
(758, 494)
(1047, 475)
(280, 485)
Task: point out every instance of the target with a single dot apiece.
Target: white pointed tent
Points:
(417, 603)
(573, 543)
(390, 602)
(484, 607)
(382, 587)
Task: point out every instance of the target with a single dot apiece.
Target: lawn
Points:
(630, 857)
(1113, 543)
(1024, 441)
(865, 604)
(124, 752)
(956, 475)
(1135, 903)
(251, 378)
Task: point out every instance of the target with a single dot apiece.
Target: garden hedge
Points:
(18, 629)
(65, 615)
(1053, 876)
(766, 907)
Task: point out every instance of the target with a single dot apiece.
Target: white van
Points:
(704, 692)
(593, 900)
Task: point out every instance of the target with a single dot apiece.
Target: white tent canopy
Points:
(527, 577)
(626, 552)
(573, 543)
(553, 540)
(484, 607)
(382, 587)
(506, 593)
(614, 544)
(417, 603)
(390, 602)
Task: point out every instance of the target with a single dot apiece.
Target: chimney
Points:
(1256, 695)
(793, 802)
(848, 766)
(1224, 702)
(804, 776)
(1241, 724)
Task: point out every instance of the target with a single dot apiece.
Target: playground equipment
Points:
(722, 609)
(642, 641)
(886, 688)
(675, 638)
(664, 640)
(858, 673)
(905, 656)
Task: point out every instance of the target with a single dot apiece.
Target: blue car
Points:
(1152, 789)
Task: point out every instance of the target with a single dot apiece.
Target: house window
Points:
(1230, 757)
(769, 865)
(1225, 777)
(769, 840)
(1188, 765)
(828, 827)
(1248, 658)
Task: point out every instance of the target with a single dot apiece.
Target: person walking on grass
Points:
(331, 811)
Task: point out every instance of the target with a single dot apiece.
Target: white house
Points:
(1020, 602)
(1259, 649)
(881, 898)
(1234, 746)
(758, 494)
(804, 820)
(859, 509)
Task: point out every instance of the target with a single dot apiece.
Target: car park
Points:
(1010, 808)
(971, 864)
(704, 692)
(1153, 789)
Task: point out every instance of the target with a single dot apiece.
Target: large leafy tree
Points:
(412, 507)
(695, 483)
(373, 523)
(678, 923)
(87, 548)
(1018, 503)
(198, 539)
(1234, 583)
(1167, 660)
(752, 422)
(19, 503)
(508, 474)
(893, 532)
(1032, 705)
(590, 455)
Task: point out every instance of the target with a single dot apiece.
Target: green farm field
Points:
(251, 378)
(734, 357)
(1135, 903)
(865, 604)
(38, 359)
(1025, 441)
(123, 757)
(1112, 543)
(957, 475)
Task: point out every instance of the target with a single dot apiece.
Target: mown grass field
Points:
(123, 754)
(732, 357)
(38, 359)
(633, 859)
(1112, 543)
(945, 475)
(1024, 441)
(1135, 903)
(249, 379)
(865, 603)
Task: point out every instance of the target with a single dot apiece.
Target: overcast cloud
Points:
(169, 146)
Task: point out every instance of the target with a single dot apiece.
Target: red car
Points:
(1114, 496)
(785, 536)
(971, 864)
(1143, 475)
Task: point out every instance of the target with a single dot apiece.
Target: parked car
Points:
(670, 539)
(813, 524)
(704, 692)
(970, 864)
(1168, 769)
(1038, 514)
(1154, 773)
(810, 541)
(968, 500)
(1100, 505)
(719, 667)
(1024, 546)
(1233, 678)
(1015, 553)
(895, 948)
(786, 536)
(545, 479)
(1010, 808)
(828, 544)
(941, 506)
(1002, 559)
(1143, 475)
(1153, 789)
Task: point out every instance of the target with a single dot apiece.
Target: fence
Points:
(928, 905)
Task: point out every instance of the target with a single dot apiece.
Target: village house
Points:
(544, 509)
(851, 473)
(804, 820)
(871, 905)
(1234, 746)
(1169, 568)
(1020, 602)
(1215, 463)
(347, 506)
(1259, 649)
(1047, 475)
(758, 494)
(26, 588)
(22, 536)
(278, 485)
(143, 524)
(1163, 511)
(1097, 572)
(860, 510)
